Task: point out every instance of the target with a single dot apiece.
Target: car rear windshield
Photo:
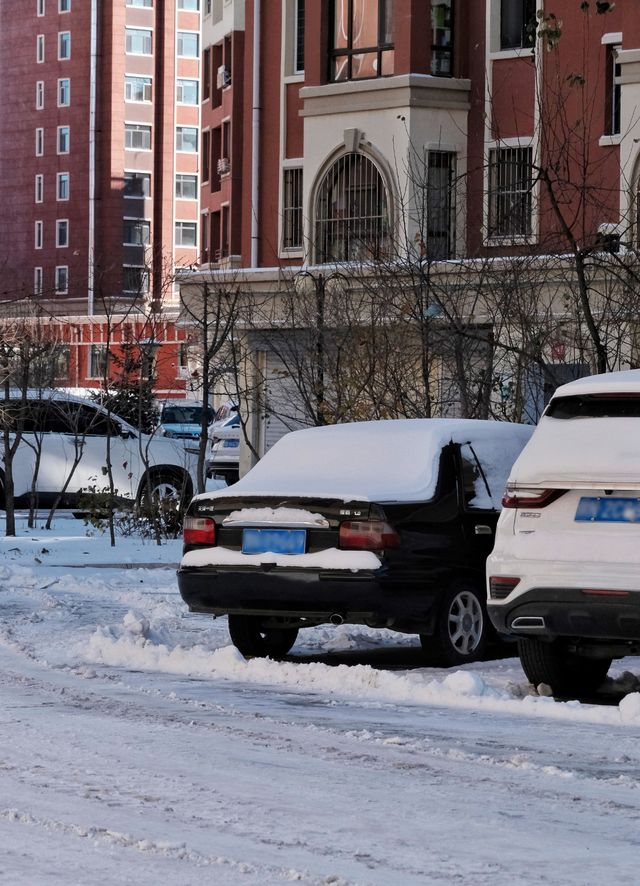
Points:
(595, 406)
(188, 415)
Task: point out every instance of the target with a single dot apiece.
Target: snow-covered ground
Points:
(137, 745)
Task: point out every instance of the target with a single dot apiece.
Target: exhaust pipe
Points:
(336, 619)
(528, 623)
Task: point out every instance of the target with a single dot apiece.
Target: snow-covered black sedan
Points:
(386, 524)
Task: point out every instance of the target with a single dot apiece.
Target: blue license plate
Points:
(230, 444)
(274, 541)
(608, 510)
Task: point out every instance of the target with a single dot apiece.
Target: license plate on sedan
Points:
(592, 509)
(274, 541)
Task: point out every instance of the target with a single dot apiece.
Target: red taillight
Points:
(500, 586)
(368, 535)
(516, 497)
(199, 531)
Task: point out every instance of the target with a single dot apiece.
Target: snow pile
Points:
(281, 516)
(331, 558)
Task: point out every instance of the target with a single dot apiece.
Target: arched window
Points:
(352, 211)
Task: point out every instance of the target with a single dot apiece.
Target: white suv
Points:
(564, 575)
(70, 435)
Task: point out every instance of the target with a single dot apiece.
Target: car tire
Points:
(564, 671)
(255, 641)
(462, 627)
(162, 488)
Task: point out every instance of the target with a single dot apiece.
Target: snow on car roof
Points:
(626, 381)
(382, 461)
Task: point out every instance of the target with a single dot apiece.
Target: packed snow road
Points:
(136, 745)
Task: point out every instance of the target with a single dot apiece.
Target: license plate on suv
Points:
(592, 509)
(274, 541)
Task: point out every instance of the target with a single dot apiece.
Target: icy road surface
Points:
(137, 746)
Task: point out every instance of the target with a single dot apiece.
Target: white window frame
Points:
(180, 91)
(60, 178)
(40, 8)
(39, 188)
(129, 32)
(59, 271)
(62, 225)
(64, 45)
(145, 4)
(39, 141)
(143, 290)
(147, 88)
(64, 92)
(40, 49)
(142, 174)
(141, 126)
(39, 95)
(179, 225)
(292, 167)
(97, 360)
(37, 280)
(179, 36)
(499, 239)
(181, 149)
(38, 234)
(64, 6)
(184, 8)
(183, 175)
(145, 226)
(60, 130)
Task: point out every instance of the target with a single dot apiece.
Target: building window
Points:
(62, 279)
(64, 92)
(37, 281)
(206, 73)
(292, 209)
(510, 184)
(40, 95)
(37, 235)
(190, 5)
(137, 137)
(148, 360)
(186, 187)
(135, 279)
(62, 233)
(62, 186)
(517, 23)
(136, 232)
(186, 234)
(614, 90)
(188, 44)
(442, 38)
(137, 89)
(299, 37)
(64, 5)
(186, 139)
(40, 7)
(64, 45)
(139, 41)
(64, 138)
(352, 215)
(137, 184)
(147, 3)
(205, 154)
(441, 204)
(98, 361)
(187, 92)
(39, 188)
(39, 141)
(40, 48)
(361, 39)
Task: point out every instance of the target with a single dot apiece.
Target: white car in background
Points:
(564, 575)
(223, 449)
(59, 429)
(182, 419)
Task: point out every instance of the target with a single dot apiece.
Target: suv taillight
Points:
(500, 586)
(523, 497)
(367, 535)
(199, 531)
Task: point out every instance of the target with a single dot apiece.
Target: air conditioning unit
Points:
(224, 77)
(224, 166)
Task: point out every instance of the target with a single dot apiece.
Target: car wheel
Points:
(251, 638)
(564, 671)
(163, 491)
(461, 631)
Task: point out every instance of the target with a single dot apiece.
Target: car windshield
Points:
(184, 415)
(595, 406)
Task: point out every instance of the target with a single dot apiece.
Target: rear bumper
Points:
(552, 612)
(359, 598)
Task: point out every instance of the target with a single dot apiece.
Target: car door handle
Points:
(480, 529)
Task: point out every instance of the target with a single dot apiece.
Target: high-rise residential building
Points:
(99, 177)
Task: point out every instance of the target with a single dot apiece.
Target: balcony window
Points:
(137, 137)
(361, 39)
(136, 232)
(137, 89)
(137, 184)
(139, 41)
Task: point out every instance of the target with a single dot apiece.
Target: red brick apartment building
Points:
(312, 106)
(99, 166)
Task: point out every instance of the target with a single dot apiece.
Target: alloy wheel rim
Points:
(465, 623)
